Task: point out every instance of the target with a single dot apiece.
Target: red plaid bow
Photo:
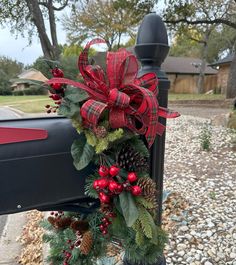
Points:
(131, 101)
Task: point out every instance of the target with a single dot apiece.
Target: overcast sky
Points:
(19, 49)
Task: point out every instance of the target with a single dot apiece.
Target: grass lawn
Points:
(28, 104)
(173, 96)
(36, 104)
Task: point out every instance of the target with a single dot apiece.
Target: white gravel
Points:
(206, 235)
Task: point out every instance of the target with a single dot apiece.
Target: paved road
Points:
(5, 114)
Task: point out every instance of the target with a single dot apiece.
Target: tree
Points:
(28, 15)
(8, 69)
(107, 19)
(204, 12)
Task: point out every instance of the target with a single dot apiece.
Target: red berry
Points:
(113, 186)
(68, 241)
(102, 227)
(52, 213)
(103, 171)
(119, 189)
(114, 171)
(56, 86)
(47, 106)
(56, 72)
(132, 177)
(104, 198)
(55, 97)
(65, 263)
(136, 190)
(49, 111)
(111, 215)
(104, 232)
(95, 184)
(103, 183)
(68, 255)
(72, 247)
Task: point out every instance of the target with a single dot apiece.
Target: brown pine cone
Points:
(100, 132)
(87, 243)
(81, 226)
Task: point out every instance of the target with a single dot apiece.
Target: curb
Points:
(18, 113)
(9, 245)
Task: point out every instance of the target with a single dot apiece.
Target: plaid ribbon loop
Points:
(131, 101)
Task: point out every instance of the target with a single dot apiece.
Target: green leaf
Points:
(129, 208)
(75, 95)
(69, 110)
(82, 153)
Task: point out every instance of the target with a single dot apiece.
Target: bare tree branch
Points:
(214, 21)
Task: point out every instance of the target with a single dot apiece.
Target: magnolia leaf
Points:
(129, 209)
(69, 110)
(75, 95)
(82, 153)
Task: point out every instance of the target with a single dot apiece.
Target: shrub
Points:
(205, 137)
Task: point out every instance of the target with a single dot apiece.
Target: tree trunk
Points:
(200, 83)
(231, 85)
(38, 20)
(53, 29)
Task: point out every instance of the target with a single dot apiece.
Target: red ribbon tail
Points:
(166, 113)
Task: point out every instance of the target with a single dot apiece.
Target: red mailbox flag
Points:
(16, 135)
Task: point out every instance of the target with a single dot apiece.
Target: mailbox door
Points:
(39, 174)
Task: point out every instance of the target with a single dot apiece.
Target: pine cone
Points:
(87, 243)
(100, 132)
(149, 190)
(59, 222)
(81, 226)
(131, 160)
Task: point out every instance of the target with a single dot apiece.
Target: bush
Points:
(33, 90)
(5, 91)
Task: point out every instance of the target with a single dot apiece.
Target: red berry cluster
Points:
(106, 221)
(57, 91)
(108, 185)
(72, 245)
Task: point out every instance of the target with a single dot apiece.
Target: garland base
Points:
(161, 261)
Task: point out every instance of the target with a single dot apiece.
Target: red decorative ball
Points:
(104, 198)
(68, 255)
(103, 171)
(65, 263)
(56, 86)
(114, 171)
(56, 72)
(132, 177)
(113, 186)
(119, 189)
(102, 183)
(136, 190)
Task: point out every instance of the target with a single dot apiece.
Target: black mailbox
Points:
(40, 174)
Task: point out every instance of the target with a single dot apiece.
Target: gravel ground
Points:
(204, 232)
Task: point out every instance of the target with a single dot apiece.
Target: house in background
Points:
(31, 74)
(223, 66)
(183, 73)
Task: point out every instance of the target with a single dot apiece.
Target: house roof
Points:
(172, 65)
(228, 59)
(185, 65)
(32, 74)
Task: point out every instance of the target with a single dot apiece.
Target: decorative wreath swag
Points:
(110, 112)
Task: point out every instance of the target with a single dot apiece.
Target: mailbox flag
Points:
(16, 135)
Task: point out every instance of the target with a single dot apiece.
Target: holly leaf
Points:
(82, 153)
(129, 209)
(75, 95)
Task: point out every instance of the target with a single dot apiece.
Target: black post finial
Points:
(152, 41)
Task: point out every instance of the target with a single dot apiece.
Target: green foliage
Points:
(205, 137)
(82, 153)
(8, 69)
(129, 209)
(75, 95)
(110, 20)
(89, 190)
